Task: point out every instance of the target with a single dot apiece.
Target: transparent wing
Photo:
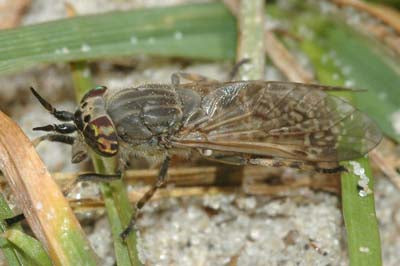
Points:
(278, 120)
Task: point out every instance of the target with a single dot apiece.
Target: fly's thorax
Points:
(146, 113)
(95, 124)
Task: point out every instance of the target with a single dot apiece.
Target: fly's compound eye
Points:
(95, 92)
(101, 136)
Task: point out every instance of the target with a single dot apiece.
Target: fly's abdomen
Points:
(142, 113)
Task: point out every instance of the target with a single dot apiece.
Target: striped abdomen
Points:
(144, 112)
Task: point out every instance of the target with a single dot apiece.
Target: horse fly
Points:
(270, 123)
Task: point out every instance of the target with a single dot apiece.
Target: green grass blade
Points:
(119, 209)
(363, 239)
(365, 65)
(358, 212)
(13, 256)
(326, 44)
(203, 31)
(31, 249)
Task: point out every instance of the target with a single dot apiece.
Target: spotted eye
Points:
(101, 136)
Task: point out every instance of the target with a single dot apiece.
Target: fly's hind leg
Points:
(301, 165)
(99, 177)
(161, 180)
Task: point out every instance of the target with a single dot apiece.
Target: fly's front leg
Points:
(195, 78)
(91, 177)
(302, 165)
(15, 219)
(161, 180)
(95, 177)
(54, 138)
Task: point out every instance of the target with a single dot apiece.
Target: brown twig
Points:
(284, 60)
(387, 31)
(11, 12)
(254, 179)
(387, 15)
(387, 160)
(328, 184)
(383, 33)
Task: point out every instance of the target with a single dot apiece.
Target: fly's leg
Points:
(91, 177)
(195, 78)
(161, 180)
(333, 170)
(303, 165)
(95, 177)
(15, 219)
(236, 68)
(55, 138)
(79, 151)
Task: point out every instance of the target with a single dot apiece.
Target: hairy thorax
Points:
(147, 116)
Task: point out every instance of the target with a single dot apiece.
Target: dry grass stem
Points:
(203, 180)
(38, 196)
(11, 12)
(250, 19)
(384, 34)
(386, 158)
(329, 184)
(284, 60)
(387, 15)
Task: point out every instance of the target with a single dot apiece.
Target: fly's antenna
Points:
(60, 128)
(60, 115)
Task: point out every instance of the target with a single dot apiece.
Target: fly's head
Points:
(94, 126)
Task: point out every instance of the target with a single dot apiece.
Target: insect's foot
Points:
(15, 219)
(131, 226)
(126, 232)
(335, 170)
(344, 169)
